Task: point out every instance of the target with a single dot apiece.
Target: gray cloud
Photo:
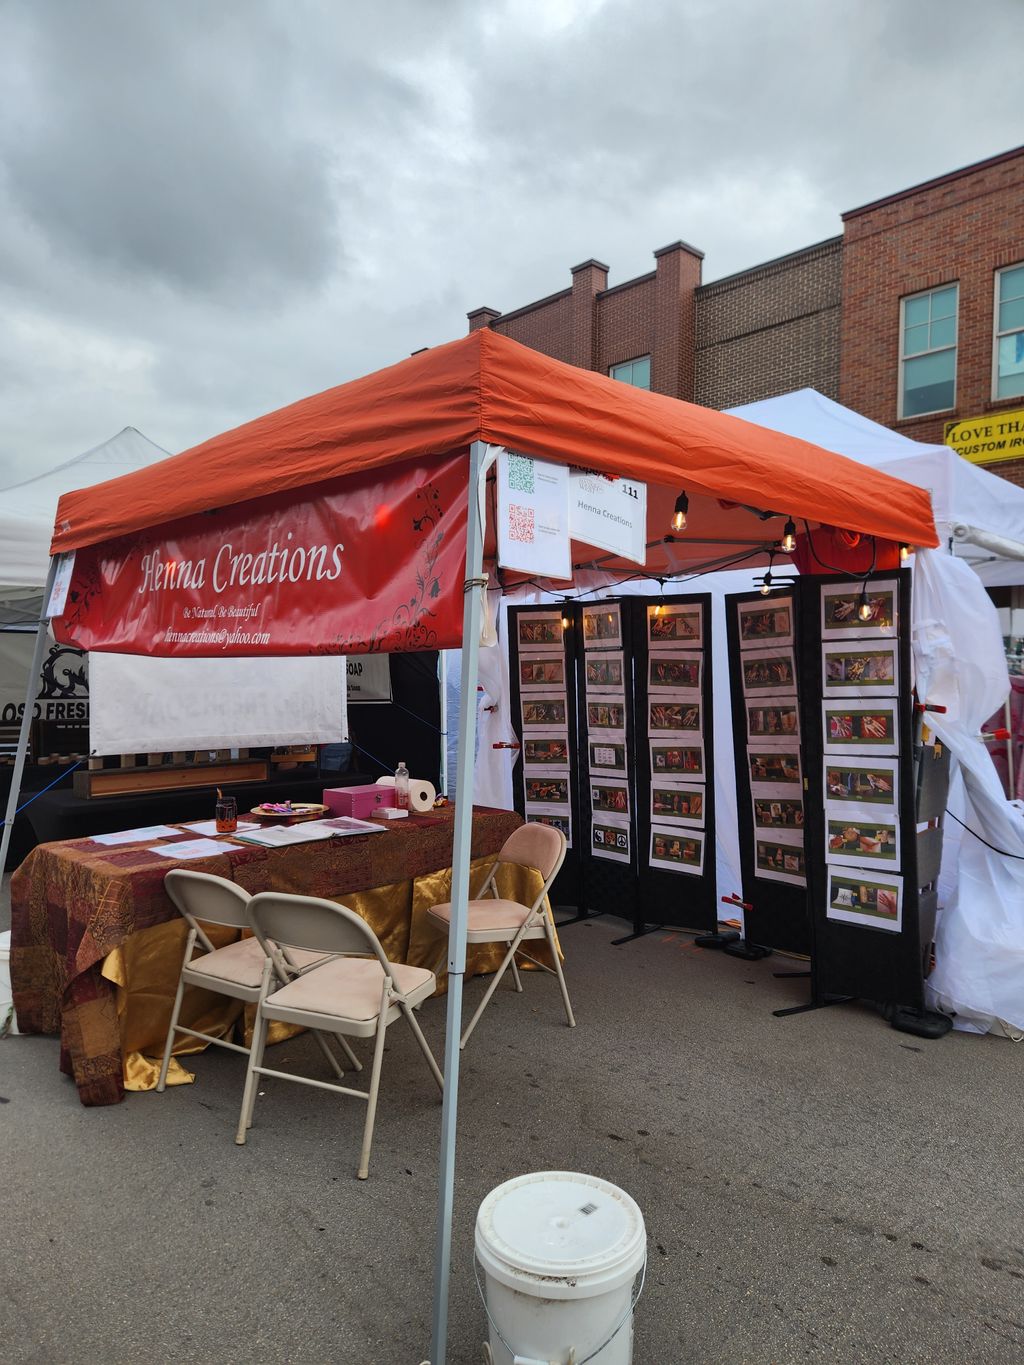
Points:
(207, 210)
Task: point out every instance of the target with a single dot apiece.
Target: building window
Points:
(1008, 366)
(928, 351)
(636, 372)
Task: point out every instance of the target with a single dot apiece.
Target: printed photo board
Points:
(609, 850)
(861, 830)
(546, 780)
(765, 647)
(674, 751)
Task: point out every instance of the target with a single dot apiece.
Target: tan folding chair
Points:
(237, 970)
(496, 920)
(357, 991)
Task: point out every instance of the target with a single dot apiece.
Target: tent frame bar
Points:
(31, 692)
(481, 457)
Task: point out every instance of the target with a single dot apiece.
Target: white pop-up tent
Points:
(27, 509)
(978, 513)
(27, 512)
(980, 520)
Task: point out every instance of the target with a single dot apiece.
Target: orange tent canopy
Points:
(489, 388)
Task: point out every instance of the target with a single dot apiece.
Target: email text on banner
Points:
(373, 563)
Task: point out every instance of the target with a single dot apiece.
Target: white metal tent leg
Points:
(31, 690)
(442, 678)
(478, 466)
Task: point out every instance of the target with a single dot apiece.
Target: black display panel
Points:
(765, 644)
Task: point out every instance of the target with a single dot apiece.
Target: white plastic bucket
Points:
(8, 1020)
(560, 1254)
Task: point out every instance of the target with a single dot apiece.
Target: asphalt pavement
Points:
(817, 1188)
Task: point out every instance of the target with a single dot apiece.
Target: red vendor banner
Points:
(373, 562)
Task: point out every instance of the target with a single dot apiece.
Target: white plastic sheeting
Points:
(959, 661)
(492, 773)
(962, 493)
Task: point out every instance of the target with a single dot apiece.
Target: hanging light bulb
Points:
(789, 537)
(566, 620)
(864, 610)
(766, 586)
(679, 515)
(904, 553)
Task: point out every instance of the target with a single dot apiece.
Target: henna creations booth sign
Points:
(369, 563)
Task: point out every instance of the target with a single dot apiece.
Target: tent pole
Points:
(31, 691)
(471, 615)
(442, 679)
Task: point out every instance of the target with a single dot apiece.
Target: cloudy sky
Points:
(209, 208)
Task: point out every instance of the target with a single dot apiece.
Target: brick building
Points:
(914, 316)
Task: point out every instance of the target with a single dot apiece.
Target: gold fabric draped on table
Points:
(145, 968)
(97, 943)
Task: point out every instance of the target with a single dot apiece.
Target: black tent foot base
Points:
(717, 940)
(638, 933)
(577, 918)
(814, 1005)
(750, 952)
(921, 1023)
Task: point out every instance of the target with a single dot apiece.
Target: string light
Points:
(766, 585)
(864, 611)
(679, 515)
(789, 537)
(904, 553)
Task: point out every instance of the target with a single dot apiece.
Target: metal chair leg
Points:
(168, 1046)
(259, 1036)
(495, 982)
(517, 980)
(332, 1061)
(371, 1099)
(414, 1024)
(570, 1017)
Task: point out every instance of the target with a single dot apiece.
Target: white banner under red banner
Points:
(369, 563)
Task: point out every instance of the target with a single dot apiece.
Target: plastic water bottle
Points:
(402, 787)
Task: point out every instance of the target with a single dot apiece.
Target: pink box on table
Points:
(358, 801)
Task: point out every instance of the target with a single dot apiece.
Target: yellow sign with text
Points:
(986, 440)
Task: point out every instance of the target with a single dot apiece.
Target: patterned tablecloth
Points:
(74, 903)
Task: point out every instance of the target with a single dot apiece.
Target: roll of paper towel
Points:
(421, 795)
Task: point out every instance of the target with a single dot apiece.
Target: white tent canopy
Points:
(28, 509)
(963, 495)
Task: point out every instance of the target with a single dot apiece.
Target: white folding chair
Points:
(237, 970)
(357, 992)
(495, 920)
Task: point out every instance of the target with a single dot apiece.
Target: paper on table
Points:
(345, 824)
(209, 827)
(189, 848)
(135, 836)
(280, 836)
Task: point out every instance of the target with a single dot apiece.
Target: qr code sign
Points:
(520, 474)
(520, 523)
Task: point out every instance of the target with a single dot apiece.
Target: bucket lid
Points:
(560, 1234)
